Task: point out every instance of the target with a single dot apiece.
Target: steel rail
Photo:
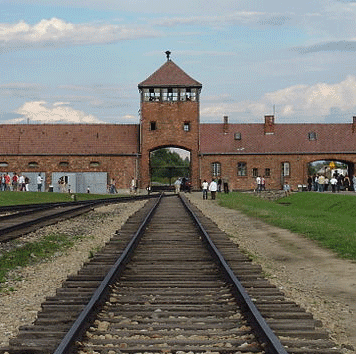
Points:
(263, 330)
(121, 199)
(79, 326)
(76, 209)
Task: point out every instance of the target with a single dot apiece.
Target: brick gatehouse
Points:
(92, 155)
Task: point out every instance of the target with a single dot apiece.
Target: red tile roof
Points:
(68, 139)
(169, 75)
(287, 138)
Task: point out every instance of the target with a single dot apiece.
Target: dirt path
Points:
(310, 275)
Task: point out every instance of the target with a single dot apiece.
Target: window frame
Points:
(242, 169)
(216, 169)
(286, 168)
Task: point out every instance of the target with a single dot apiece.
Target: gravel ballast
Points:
(309, 275)
(19, 306)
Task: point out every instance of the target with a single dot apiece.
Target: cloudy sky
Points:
(66, 61)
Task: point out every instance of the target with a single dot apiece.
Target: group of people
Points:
(182, 184)
(321, 183)
(18, 182)
(214, 187)
(260, 183)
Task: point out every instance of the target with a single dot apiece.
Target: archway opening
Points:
(168, 164)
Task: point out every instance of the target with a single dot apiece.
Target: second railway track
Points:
(170, 297)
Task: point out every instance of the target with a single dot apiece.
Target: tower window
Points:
(182, 94)
(191, 94)
(153, 125)
(186, 126)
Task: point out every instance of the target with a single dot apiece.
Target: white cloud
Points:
(59, 112)
(227, 19)
(129, 118)
(311, 102)
(56, 32)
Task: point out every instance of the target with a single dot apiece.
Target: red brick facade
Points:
(176, 125)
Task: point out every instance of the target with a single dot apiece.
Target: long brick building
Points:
(92, 155)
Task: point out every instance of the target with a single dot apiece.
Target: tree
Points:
(168, 164)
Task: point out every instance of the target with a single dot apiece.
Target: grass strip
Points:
(34, 252)
(329, 219)
(19, 198)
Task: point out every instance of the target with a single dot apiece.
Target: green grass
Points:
(16, 198)
(34, 252)
(328, 219)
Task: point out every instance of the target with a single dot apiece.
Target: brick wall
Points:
(169, 119)
(298, 168)
(122, 168)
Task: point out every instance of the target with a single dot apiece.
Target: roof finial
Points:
(168, 53)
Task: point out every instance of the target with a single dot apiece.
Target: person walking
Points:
(205, 186)
(39, 183)
(213, 187)
(286, 189)
(258, 183)
(333, 182)
(177, 185)
(321, 181)
(15, 182)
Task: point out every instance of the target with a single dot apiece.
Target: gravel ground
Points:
(19, 307)
(309, 275)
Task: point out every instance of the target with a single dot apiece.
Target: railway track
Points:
(170, 294)
(21, 219)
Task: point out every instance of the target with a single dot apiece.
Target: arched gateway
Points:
(169, 116)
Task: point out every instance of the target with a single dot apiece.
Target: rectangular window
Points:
(312, 136)
(146, 95)
(157, 94)
(237, 136)
(175, 94)
(216, 169)
(153, 126)
(285, 169)
(165, 94)
(254, 172)
(186, 126)
(182, 94)
(241, 169)
(267, 172)
(191, 94)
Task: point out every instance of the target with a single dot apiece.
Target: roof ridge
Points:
(169, 74)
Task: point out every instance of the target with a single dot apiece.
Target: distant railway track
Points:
(170, 281)
(18, 220)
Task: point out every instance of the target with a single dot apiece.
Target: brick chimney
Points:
(354, 124)
(269, 125)
(226, 125)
